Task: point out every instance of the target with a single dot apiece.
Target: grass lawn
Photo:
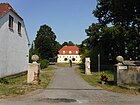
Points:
(94, 80)
(17, 85)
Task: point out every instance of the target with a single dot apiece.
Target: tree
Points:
(121, 38)
(45, 42)
(97, 43)
(32, 51)
(70, 43)
(122, 12)
(125, 17)
(65, 44)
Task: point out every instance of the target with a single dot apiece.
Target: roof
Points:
(5, 7)
(69, 50)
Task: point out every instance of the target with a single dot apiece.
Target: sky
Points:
(67, 18)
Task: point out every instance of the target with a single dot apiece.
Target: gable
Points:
(5, 7)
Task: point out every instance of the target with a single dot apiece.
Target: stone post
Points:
(33, 71)
(87, 66)
(118, 69)
(117, 80)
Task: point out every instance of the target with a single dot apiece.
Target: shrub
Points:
(44, 63)
(3, 81)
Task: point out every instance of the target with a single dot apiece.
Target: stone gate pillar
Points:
(33, 71)
(87, 66)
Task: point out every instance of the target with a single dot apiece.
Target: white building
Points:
(14, 42)
(68, 53)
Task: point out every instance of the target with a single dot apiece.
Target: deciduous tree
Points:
(45, 42)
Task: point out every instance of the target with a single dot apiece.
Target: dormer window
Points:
(76, 52)
(11, 22)
(70, 52)
(63, 52)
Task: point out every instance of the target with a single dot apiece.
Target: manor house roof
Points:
(69, 50)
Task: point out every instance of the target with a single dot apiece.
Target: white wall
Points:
(61, 58)
(14, 49)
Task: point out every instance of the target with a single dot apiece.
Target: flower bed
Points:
(103, 77)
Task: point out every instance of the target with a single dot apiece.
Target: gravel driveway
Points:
(68, 88)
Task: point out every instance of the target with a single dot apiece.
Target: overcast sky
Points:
(67, 18)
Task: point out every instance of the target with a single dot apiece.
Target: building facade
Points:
(14, 42)
(68, 53)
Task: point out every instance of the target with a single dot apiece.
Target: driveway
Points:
(68, 88)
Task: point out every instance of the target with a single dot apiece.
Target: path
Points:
(68, 88)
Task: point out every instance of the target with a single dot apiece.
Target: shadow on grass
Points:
(110, 83)
(81, 66)
(83, 72)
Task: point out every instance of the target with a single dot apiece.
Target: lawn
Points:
(94, 80)
(17, 85)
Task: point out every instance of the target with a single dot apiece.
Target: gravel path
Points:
(68, 88)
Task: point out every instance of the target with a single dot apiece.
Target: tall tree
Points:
(70, 43)
(125, 16)
(45, 42)
(65, 44)
(124, 12)
(112, 41)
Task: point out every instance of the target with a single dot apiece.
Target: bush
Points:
(3, 81)
(44, 63)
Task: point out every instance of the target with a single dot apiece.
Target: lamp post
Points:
(99, 54)
(99, 62)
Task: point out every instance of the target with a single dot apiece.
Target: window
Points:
(76, 52)
(11, 21)
(63, 52)
(70, 52)
(19, 27)
(65, 59)
(73, 59)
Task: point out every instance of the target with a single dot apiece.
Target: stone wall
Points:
(127, 73)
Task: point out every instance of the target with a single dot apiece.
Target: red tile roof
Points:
(67, 49)
(4, 7)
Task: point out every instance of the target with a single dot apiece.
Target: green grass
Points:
(94, 80)
(17, 85)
